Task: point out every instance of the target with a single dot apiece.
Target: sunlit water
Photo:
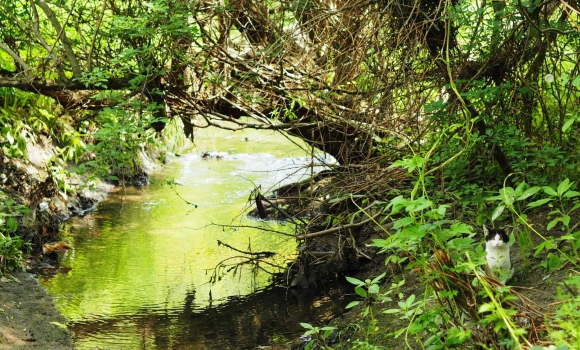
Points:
(140, 268)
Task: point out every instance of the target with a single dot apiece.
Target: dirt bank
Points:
(28, 318)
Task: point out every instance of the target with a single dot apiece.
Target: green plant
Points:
(11, 245)
(14, 135)
(369, 290)
(564, 330)
(561, 196)
(318, 336)
(513, 199)
(118, 142)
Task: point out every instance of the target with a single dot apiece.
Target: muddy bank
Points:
(28, 318)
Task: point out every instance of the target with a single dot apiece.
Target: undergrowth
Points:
(433, 231)
(462, 307)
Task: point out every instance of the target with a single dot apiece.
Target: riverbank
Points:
(28, 317)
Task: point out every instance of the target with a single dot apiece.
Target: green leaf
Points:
(552, 223)
(23, 210)
(306, 325)
(576, 81)
(567, 238)
(494, 198)
(337, 199)
(327, 330)
(486, 308)
(10, 138)
(568, 124)
(571, 194)
(520, 187)
(373, 289)
(352, 304)
(564, 186)
(378, 278)
(550, 191)
(391, 311)
(366, 311)
(355, 281)
(360, 291)
(554, 262)
(508, 195)
(566, 220)
(497, 212)
(548, 244)
(539, 202)
(410, 300)
(12, 224)
(529, 192)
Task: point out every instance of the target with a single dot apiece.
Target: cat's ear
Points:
(507, 229)
(485, 230)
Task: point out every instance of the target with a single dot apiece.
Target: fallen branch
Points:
(257, 254)
(340, 228)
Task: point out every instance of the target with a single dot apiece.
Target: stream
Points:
(139, 274)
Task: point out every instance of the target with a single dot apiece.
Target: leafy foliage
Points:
(11, 245)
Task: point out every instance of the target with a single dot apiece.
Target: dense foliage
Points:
(463, 95)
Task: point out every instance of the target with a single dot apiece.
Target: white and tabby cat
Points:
(498, 253)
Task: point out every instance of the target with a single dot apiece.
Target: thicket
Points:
(430, 107)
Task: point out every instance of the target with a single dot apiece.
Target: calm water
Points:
(141, 264)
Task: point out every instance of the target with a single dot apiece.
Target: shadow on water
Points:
(271, 317)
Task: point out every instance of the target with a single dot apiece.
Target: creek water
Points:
(139, 274)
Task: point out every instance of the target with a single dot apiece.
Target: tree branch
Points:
(76, 69)
(94, 39)
(17, 59)
(35, 29)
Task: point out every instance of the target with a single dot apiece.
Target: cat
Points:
(498, 253)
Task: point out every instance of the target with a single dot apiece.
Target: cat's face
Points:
(497, 237)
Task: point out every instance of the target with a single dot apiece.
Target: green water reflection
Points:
(147, 252)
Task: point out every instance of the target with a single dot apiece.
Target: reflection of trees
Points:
(239, 322)
(255, 261)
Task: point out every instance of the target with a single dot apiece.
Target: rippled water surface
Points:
(141, 264)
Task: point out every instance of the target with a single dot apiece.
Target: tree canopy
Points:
(494, 84)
